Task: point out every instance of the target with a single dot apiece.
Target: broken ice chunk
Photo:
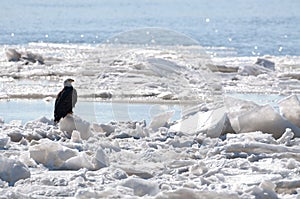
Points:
(290, 109)
(265, 119)
(12, 170)
(160, 120)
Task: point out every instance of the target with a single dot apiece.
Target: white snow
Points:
(162, 164)
(221, 148)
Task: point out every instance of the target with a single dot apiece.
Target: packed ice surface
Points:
(221, 148)
(157, 73)
(163, 160)
(111, 71)
(55, 156)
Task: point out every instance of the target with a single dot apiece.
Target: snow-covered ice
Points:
(137, 160)
(222, 147)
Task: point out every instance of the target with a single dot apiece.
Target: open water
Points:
(250, 27)
(26, 110)
(245, 27)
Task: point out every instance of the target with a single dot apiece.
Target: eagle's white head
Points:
(68, 82)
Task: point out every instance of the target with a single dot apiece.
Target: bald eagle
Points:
(65, 101)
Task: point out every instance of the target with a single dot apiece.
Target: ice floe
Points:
(199, 155)
(110, 71)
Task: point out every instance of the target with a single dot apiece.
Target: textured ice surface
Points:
(160, 120)
(53, 155)
(4, 142)
(213, 123)
(246, 116)
(253, 70)
(141, 187)
(170, 72)
(12, 170)
(265, 119)
(290, 109)
(72, 122)
(108, 71)
(160, 164)
(198, 156)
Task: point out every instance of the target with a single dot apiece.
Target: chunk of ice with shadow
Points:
(12, 170)
(253, 70)
(237, 107)
(55, 156)
(265, 63)
(246, 116)
(213, 123)
(141, 187)
(160, 120)
(4, 142)
(290, 109)
(267, 120)
(72, 122)
(51, 154)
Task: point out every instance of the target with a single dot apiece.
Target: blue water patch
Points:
(251, 27)
(99, 112)
(104, 112)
